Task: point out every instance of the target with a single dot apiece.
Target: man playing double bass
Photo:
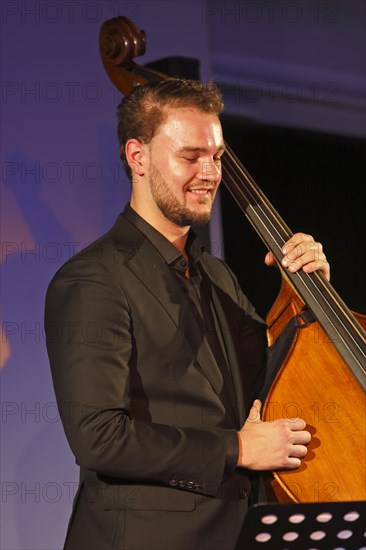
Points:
(166, 425)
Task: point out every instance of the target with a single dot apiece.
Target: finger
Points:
(294, 262)
(301, 438)
(269, 259)
(255, 411)
(309, 256)
(298, 451)
(322, 266)
(308, 264)
(312, 250)
(292, 463)
(295, 241)
(296, 424)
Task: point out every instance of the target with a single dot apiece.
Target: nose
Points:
(210, 170)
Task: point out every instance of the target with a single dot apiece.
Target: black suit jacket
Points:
(141, 397)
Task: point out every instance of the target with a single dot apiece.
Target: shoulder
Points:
(96, 273)
(89, 282)
(101, 256)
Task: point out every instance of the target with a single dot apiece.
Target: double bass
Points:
(322, 377)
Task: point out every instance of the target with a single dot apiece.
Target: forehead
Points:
(188, 127)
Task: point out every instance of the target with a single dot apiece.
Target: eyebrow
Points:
(199, 149)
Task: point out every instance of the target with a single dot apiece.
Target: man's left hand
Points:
(301, 251)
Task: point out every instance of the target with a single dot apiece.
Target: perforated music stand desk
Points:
(308, 526)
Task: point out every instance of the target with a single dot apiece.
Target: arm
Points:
(91, 345)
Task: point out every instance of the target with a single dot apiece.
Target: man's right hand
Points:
(271, 445)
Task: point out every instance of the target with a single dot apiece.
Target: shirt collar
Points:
(169, 252)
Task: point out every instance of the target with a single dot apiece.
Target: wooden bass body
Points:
(315, 384)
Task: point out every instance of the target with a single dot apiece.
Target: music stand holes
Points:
(351, 516)
(324, 517)
(290, 536)
(310, 526)
(317, 535)
(345, 534)
(263, 537)
(296, 518)
(269, 519)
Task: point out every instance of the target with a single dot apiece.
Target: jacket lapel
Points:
(236, 383)
(150, 268)
(244, 337)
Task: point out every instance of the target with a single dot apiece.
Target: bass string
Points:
(254, 196)
(257, 195)
(274, 219)
(349, 340)
(276, 222)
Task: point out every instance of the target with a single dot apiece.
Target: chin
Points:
(201, 219)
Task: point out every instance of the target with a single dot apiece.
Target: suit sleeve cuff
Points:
(232, 450)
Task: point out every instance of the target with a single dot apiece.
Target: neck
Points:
(174, 233)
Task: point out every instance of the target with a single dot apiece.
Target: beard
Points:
(171, 207)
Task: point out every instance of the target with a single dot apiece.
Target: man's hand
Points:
(301, 251)
(271, 445)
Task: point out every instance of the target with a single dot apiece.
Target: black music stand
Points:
(308, 526)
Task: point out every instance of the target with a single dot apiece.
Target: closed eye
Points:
(193, 159)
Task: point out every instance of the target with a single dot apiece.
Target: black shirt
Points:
(196, 286)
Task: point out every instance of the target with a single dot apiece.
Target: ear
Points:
(134, 151)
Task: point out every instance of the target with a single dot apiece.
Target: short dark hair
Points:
(142, 112)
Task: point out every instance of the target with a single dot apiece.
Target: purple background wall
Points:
(299, 63)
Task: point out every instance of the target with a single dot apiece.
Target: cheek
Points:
(180, 173)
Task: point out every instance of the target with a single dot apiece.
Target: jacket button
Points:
(243, 493)
(181, 483)
(173, 482)
(197, 487)
(190, 484)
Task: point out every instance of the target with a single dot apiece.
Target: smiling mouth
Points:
(201, 191)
